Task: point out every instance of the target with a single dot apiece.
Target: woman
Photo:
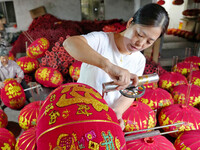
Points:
(117, 56)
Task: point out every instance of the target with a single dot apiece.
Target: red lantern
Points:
(48, 77)
(151, 143)
(3, 119)
(184, 68)
(28, 115)
(138, 116)
(171, 79)
(178, 2)
(7, 140)
(177, 113)
(188, 140)
(27, 140)
(195, 77)
(179, 94)
(28, 64)
(11, 56)
(156, 98)
(75, 116)
(161, 2)
(38, 48)
(193, 59)
(74, 70)
(12, 94)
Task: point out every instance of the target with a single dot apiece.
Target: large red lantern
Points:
(7, 140)
(157, 142)
(3, 119)
(193, 59)
(184, 68)
(38, 48)
(170, 79)
(29, 114)
(180, 93)
(177, 113)
(27, 140)
(189, 140)
(195, 77)
(48, 77)
(74, 70)
(156, 98)
(75, 116)
(139, 116)
(28, 64)
(12, 94)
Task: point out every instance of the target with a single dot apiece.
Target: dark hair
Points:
(3, 50)
(152, 15)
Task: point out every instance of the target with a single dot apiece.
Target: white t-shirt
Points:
(104, 44)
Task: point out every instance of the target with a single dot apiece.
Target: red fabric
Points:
(38, 48)
(139, 116)
(74, 70)
(171, 79)
(48, 77)
(188, 140)
(7, 139)
(29, 114)
(12, 94)
(75, 116)
(177, 113)
(179, 94)
(3, 119)
(157, 142)
(27, 140)
(28, 64)
(193, 59)
(156, 98)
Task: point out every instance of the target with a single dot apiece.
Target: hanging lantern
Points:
(48, 77)
(28, 64)
(157, 142)
(160, 2)
(179, 113)
(27, 140)
(139, 116)
(3, 119)
(189, 140)
(38, 48)
(74, 70)
(184, 68)
(28, 115)
(179, 94)
(193, 59)
(171, 79)
(75, 116)
(12, 94)
(156, 98)
(195, 77)
(7, 140)
(178, 2)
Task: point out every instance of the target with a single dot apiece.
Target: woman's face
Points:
(4, 60)
(138, 37)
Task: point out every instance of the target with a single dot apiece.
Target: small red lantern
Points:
(38, 48)
(7, 140)
(157, 142)
(29, 114)
(27, 140)
(184, 68)
(139, 116)
(12, 94)
(189, 140)
(74, 70)
(177, 113)
(161, 2)
(171, 79)
(28, 64)
(75, 116)
(195, 77)
(156, 98)
(179, 94)
(3, 119)
(11, 56)
(193, 59)
(48, 77)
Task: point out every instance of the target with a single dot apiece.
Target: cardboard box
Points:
(36, 12)
(188, 24)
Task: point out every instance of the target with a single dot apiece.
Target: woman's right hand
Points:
(1, 85)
